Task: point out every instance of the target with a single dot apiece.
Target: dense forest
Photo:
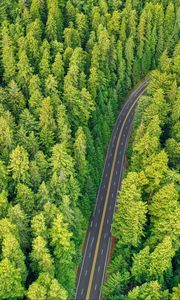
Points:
(65, 68)
(147, 220)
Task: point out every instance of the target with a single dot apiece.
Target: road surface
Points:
(97, 244)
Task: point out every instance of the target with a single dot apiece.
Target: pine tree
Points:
(63, 126)
(37, 8)
(38, 226)
(19, 164)
(44, 65)
(151, 290)
(7, 134)
(10, 280)
(63, 251)
(18, 217)
(8, 54)
(116, 284)
(54, 20)
(4, 205)
(40, 257)
(25, 197)
(130, 207)
(169, 20)
(42, 196)
(16, 101)
(165, 214)
(80, 154)
(175, 293)
(11, 251)
(36, 96)
(25, 71)
(58, 70)
(3, 177)
(129, 54)
(47, 124)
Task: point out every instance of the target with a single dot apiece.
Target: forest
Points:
(147, 221)
(65, 69)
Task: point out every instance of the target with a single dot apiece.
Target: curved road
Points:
(97, 244)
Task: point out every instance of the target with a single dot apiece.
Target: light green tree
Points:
(10, 280)
(24, 71)
(4, 204)
(19, 164)
(41, 258)
(80, 154)
(130, 217)
(8, 53)
(25, 197)
(151, 290)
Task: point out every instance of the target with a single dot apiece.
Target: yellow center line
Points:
(106, 202)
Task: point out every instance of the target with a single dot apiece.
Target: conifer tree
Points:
(8, 54)
(19, 164)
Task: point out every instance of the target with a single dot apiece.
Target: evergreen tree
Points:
(58, 70)
(47, 124)
(19, 164)
(8, 53)
(24, 71)
(65, 68)
(80, 154)
(150, 290)
(130, 207)
(10, 280)
(54, 20)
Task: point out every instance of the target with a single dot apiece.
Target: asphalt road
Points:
(97, 244)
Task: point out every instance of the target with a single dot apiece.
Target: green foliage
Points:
(65, 68)
(3, 204)
(131, 212)
(175, 293)
(148, 291)
(154, 185)
(165, 211)
(80, 154)
(10, 280)
(19, 164)
(8, 55)
(45, 287)
(40, 257)
(117, 282)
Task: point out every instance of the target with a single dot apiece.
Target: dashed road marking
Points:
(92, 241)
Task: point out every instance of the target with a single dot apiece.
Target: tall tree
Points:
(8, 53)
(19, 164)
(80, 154)
(130, 207)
